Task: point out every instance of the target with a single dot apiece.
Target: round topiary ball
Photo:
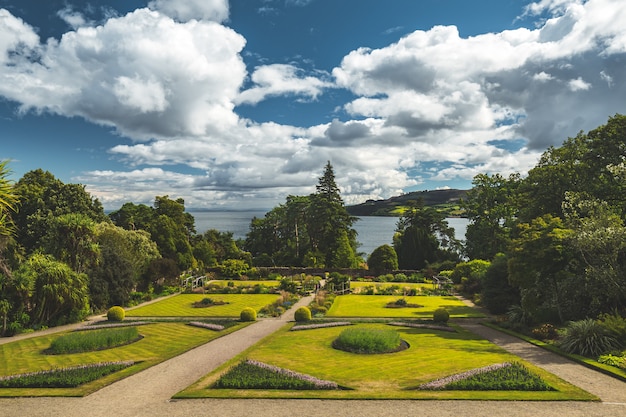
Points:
(302, 314)
(116, 313)
(441, 315)
(247, 314)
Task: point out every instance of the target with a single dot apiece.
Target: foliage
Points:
(612, 360)
(8, 205)
(63, 377)
(59, 294)
(314, 230)
(587, 338)
(302, 314)
(234, 268)
(363, 340)
(441, 315)
(247, 314)
(255, 375)
(539, 267)
(490, 208)
(615, 324)
(498, 295)
(470, 275)
(116, 313)
(545, 332)
(383, 258)
(423, 237)
(92, 340)
(514, 377)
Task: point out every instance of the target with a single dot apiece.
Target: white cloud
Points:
(434, 106)
(578, 84)
(280, 79)
(185, 10)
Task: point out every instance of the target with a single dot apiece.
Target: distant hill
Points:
(443, 200)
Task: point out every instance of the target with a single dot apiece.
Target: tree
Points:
(328, 220)
(60, 295)
(498, 295)
(42, 198)
(599, 243)
(383, 258)
(540, 265)
(124, 258)
(314, 230)
(423, 237)
(491, 210)
(72, 239)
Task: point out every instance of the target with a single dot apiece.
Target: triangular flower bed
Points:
(251, 374)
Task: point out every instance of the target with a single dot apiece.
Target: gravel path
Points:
(148, 393)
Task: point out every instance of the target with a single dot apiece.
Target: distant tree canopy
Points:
(561, 229)
(423, 237)
(314, 230)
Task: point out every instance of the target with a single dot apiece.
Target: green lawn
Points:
(161, 341)
(182, 305)
(432, 355)
(374, 306)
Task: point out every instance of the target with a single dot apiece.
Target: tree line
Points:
(550, 246)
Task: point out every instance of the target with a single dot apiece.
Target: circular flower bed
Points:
(369, 341)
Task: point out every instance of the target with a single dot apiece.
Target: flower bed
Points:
(70, 377)
(501, 376)
(320, 325)
(109, 325)
(210, 326)
(251, 374)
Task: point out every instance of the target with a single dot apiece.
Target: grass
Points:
(364, 340)
(374, 306)
(354, 285)
(182, 305)
(92, 340)
(161, 341)
(432, 355)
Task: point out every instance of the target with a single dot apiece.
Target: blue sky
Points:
(238, 104)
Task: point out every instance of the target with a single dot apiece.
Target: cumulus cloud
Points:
(433, 106)
(278, 80)
(185, 10)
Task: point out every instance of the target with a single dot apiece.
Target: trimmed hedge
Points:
(302, 314)
(248, 314)
(116, 313)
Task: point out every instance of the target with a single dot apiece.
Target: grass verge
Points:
(375, 306)
(589, 363)
(432, 355)
(182, 305)
(161, 341)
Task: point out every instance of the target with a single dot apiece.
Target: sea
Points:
(373, 231)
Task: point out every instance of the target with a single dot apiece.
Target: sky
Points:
(238, 104)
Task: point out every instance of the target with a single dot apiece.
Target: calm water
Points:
(373, 230)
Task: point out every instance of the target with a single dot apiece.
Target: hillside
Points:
(444, 200)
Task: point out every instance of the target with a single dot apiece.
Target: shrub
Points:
(612, 360)
(116, 313)
(588, 338)
(93, 340)
(248, 314)
(441, 315)
(302, 314)
(616, 325)
(368, 341)
(545, 332)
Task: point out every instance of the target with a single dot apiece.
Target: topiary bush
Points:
(116, 313)
(441, 315)
(302, 314)
(248, 314)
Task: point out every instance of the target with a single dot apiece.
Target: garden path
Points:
(148, 393)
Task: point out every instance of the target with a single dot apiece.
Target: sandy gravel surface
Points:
(148, 393)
